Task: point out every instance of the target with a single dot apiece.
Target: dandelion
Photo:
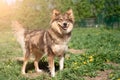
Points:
(90, 57)
(111, 75)
(84, 63)
(91, 60)
(118, 79)
(75, 63)
(67, 58)
(107, 61)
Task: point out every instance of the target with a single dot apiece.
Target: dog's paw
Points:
(52, 74)
(39, 70)
(23, 73)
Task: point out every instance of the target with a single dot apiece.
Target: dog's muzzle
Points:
(65, 26)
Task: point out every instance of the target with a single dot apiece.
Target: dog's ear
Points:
(55, 13)
(70, 14)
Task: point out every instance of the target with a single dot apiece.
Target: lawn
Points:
(101, 55)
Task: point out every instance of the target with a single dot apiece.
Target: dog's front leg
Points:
(51, 65)
(61, 62)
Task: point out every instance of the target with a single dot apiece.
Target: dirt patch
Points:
(33, 75)
(76, 51)
(114, 64)
(22, 58)
(102, 75)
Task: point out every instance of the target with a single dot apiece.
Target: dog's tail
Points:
(19, 33)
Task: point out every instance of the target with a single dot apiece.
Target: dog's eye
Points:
(60, 19)
(69, 20)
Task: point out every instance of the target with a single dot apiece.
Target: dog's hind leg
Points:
(26, 58)
(37, 57)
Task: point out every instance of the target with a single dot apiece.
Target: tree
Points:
(33, 13)
(83, 9)
(112, 12)
(97, 6)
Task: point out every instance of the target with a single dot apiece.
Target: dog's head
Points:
(62, 23)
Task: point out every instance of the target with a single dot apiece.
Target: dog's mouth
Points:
(64, 26)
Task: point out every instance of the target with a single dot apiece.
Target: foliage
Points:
(112, 8)
(111, 12)
(62, 5)
(35, 12)
(97, 42)
(83, 9)
(97, 6)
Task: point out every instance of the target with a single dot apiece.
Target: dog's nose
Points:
(65, 24)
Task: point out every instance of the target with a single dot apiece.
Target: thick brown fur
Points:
(52, 42)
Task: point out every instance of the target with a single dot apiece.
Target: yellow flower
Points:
(75, 63)
(111, 75)
(84, 63)
(91, 59)
(107, 61)
(119, 44)
(67, 58)
(118, 79)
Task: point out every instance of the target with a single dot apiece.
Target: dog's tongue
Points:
(64, 27)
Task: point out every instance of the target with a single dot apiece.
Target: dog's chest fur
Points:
(47, 42)
(59, 48)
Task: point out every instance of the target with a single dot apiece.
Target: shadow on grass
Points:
(43, 65)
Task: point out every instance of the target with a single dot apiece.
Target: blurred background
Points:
(36, 13)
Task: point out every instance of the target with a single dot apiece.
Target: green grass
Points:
(102, 47)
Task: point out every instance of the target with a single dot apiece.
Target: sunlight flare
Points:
(9, 2)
